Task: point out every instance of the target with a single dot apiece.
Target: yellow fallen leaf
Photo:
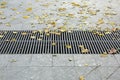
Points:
(100, 21)
(107, 32)
(37, 0)
(57, 33)
(39, 39)
(100, 34)
(13, 60)
(1, 12)
(3, 6)
(8, 24)
(33, 37)
(35, 31)
(112, 23)
(82, 78)
(75, 4)
(1, 36)
(17, 12)
(68, 46)
(61, 9)
(24, 33)
(85, 50)
(53, 43)
(85, 64)
(3, 3)
(53, 23)
(71, 15)
(26, 17)
(29, 9)
(92, 12)
(3, 17)
(13, 39)
(47, 34)
(15, 32)
(81, 46)
(14, 9)
(104, 54)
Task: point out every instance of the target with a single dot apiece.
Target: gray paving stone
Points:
(41, 60)
(115, 75)
(19, 60)
(64, 73)
(106, 71)
(2, 72)
(82, 70)
(106, 61)
(16, 73)
(41, 73)
(4, 60)
(94, 75)
(63, 60)
(15, 60)
(85, 60)
(117, 56)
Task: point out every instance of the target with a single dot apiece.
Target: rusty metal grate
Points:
(26, 45)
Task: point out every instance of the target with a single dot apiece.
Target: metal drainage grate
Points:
(26, 45)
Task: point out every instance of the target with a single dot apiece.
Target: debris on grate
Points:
(79, 42)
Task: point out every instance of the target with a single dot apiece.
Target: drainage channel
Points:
(66, 43)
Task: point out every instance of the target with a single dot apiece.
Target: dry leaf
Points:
(57, 33)
(1, 12)
(85, 50)
(86, 65)
(107, 32)
(14, 9)
(75, 4)
(24, 33)
(29, 9)
(68, 46)
(82, 78)
(100, 21)
(1, 36)
(112, 51)
(92, 12)
(33, 37)
(53, 23)
(13, 39)
(13, 60)
(17, 12)
(26, 17)
(3, 17)
(3, 3)
(15, 32)
(104, 54)
(39, 39)
(114, 29)
(8, 24)
(53, 43)
(61, 9)
(47, 34)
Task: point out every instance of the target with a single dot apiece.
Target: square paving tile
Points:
(85, 60)
(106, 61)
(64, 73)
(115, 75)
(63, 60)
(117, 56)
(41, 60)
